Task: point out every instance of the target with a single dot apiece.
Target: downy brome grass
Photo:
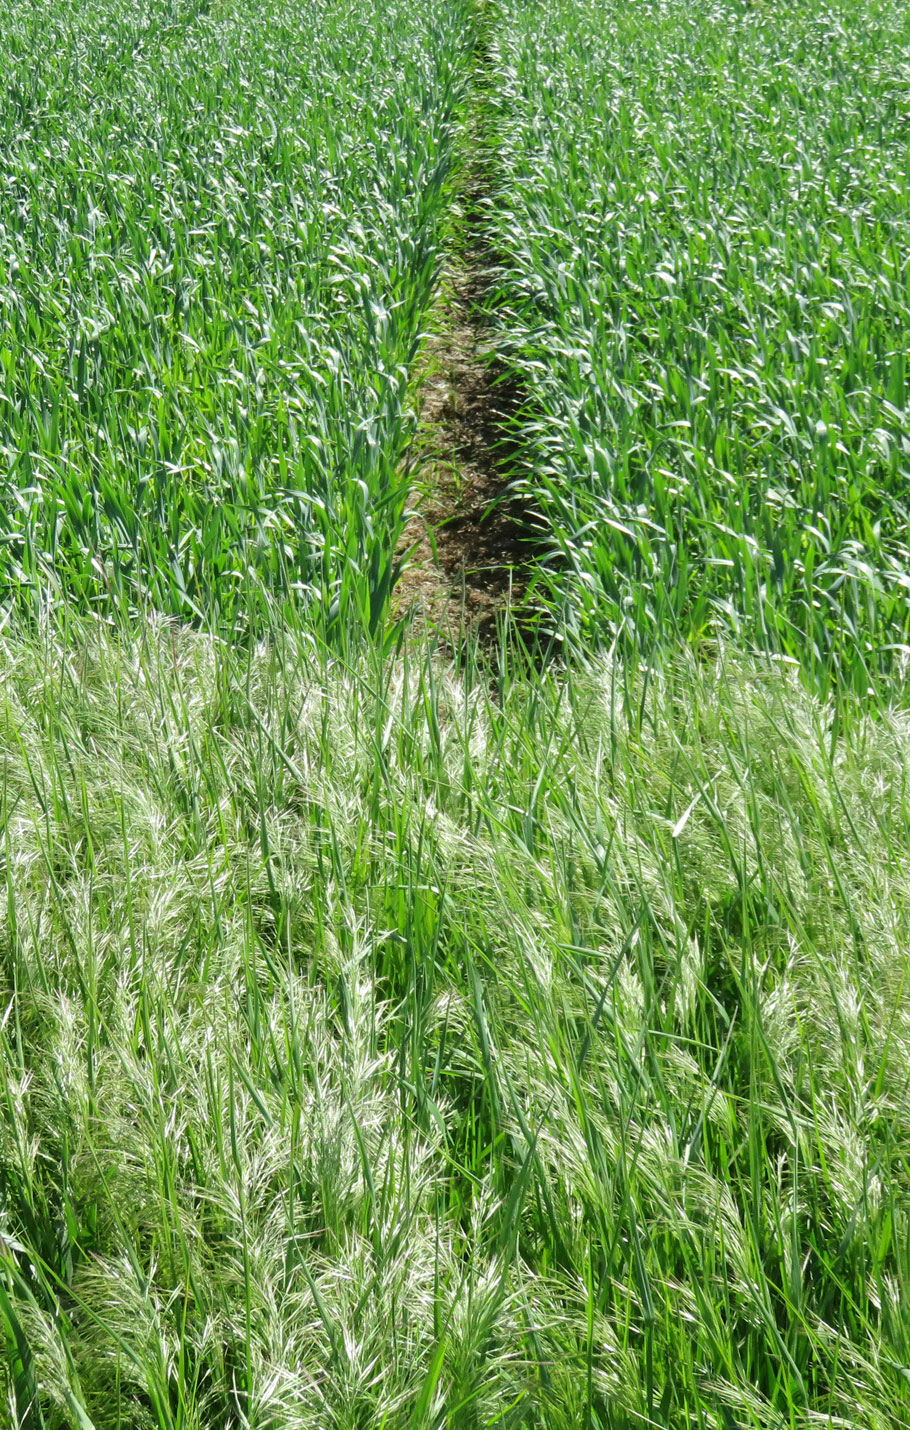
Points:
(387, 1047)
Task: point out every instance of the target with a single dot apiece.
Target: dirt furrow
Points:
(468, 549)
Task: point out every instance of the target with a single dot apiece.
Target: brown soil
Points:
(479, 567)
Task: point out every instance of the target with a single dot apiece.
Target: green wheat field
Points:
(409, 1032)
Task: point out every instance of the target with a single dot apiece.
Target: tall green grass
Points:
(386, 1046)
(219, 230)
(703, 216)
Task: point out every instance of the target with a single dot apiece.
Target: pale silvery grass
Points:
(388, 1047)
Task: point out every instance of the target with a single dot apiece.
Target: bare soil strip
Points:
(468, 561)
(469, 543)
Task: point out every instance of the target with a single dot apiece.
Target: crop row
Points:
(218, 236)
(706, 293)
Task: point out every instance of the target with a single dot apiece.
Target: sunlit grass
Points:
(218, 236)
(703, 218)
(395, 1042)
(388, 1046)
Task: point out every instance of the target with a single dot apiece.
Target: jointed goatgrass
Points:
(386, 1046)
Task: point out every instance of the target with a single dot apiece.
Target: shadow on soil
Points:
(471, 542)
